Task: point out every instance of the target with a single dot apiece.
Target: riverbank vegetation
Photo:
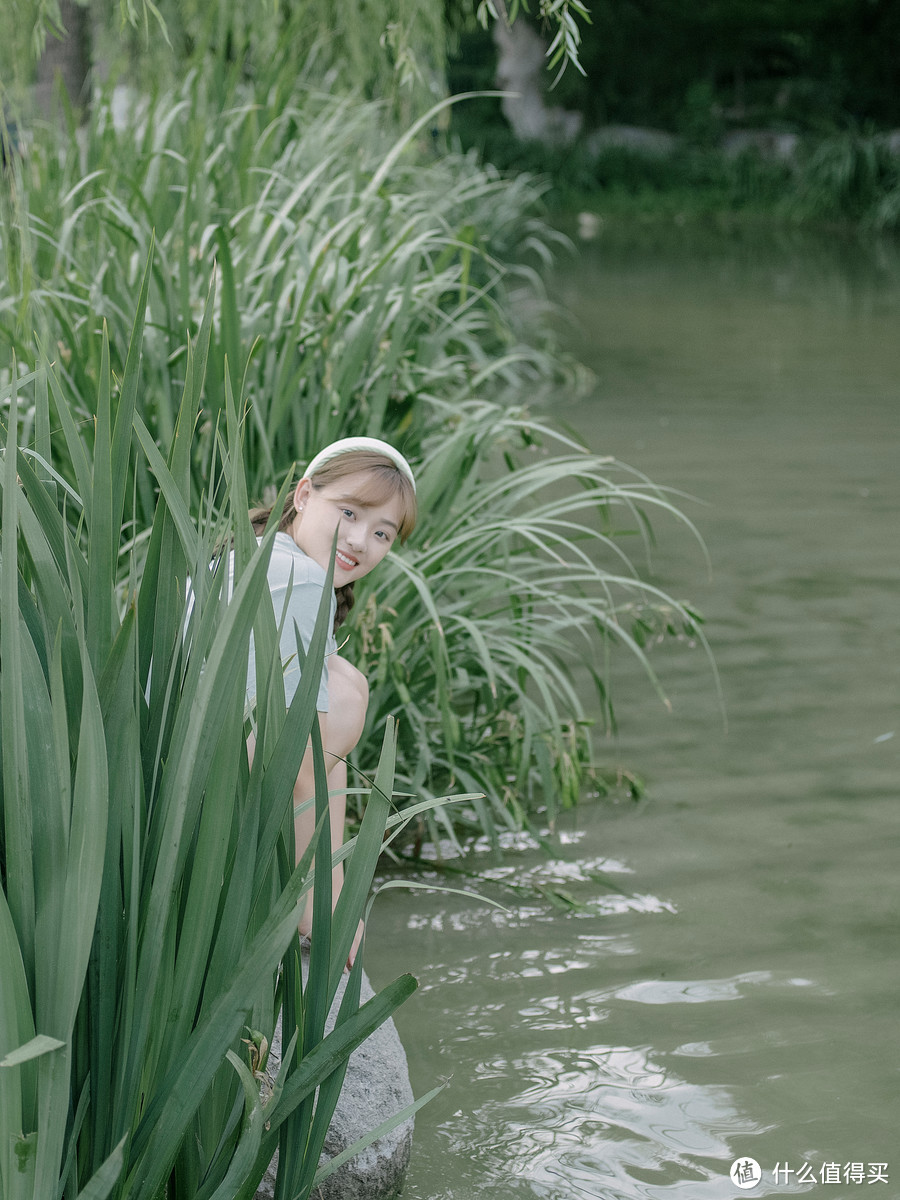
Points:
(783, 111)
(200, 286)
(367, 285)
(848, 179)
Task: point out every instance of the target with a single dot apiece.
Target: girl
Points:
(365, 489)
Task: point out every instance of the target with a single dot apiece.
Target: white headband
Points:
(350, 444)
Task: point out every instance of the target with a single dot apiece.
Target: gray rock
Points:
(376, 1085)
(521, 67)
(890, 140)
(655, 143)
(769, 144)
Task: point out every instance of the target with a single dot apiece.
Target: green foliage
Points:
(561, 17)
(380, 49)
(850, 177)
(149, 905)
(376, 49)
(817, 71)
(520, 581)
(367, 286)
(802, 65)
(149, 901)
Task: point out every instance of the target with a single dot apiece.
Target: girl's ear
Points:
(301, 493)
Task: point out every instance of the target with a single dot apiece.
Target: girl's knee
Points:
(347, 684)
(348, 700)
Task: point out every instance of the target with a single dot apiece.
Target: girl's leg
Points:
(305, 824)
(341, 728)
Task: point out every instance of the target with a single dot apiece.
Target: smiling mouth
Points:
(345, 561)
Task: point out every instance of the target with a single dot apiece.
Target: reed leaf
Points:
(146, 905)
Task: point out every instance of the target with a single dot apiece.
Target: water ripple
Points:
(691, 991)
(608, 1122)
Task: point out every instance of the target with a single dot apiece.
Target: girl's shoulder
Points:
(289, 561)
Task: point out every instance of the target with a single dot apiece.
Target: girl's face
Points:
(365, 532)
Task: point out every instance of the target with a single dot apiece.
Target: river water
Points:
(729, 988)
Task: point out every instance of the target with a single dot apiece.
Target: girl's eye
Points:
(347, 512)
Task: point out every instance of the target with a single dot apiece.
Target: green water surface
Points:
(731, 986)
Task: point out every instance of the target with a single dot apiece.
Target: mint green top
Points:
(296, 583)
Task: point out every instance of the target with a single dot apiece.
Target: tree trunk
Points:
(68, 60)
(521, 67)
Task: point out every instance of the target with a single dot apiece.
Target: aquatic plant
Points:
(149, 900)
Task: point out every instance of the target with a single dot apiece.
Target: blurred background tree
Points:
(376, 49)
(782, 109)
(67, 53)
(803, 64)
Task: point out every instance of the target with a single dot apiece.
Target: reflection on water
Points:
(610, 1112)
(545, 1100)
(726, 984)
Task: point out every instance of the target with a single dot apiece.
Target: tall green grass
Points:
(521, 588)
(149, 899)
(368, 285)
